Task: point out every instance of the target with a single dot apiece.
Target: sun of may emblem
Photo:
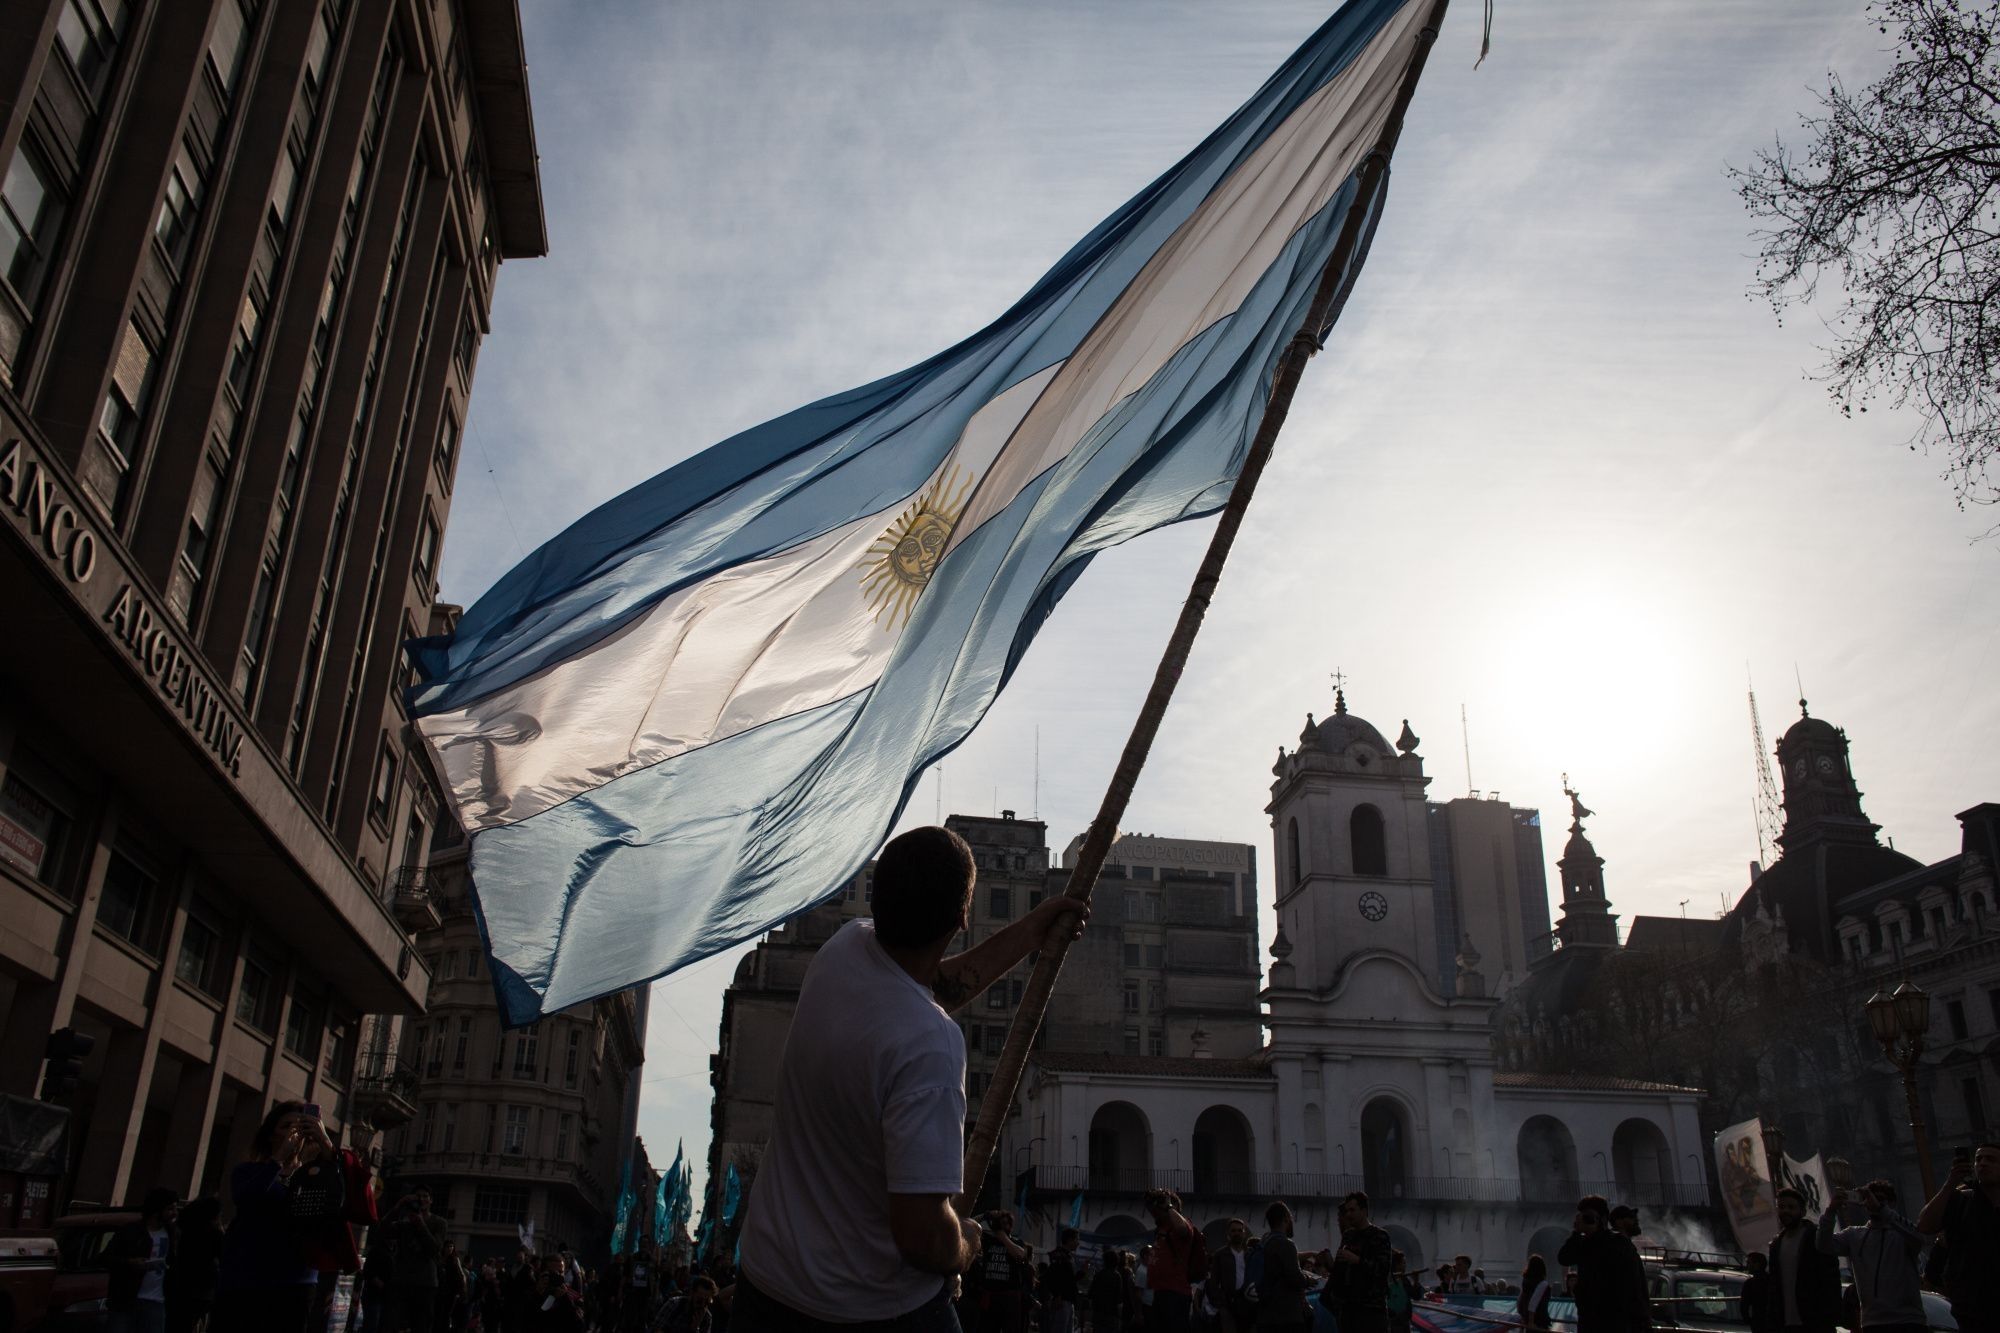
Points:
(902, 560)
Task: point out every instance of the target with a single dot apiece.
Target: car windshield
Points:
(1709, 1296)
(82, 1247)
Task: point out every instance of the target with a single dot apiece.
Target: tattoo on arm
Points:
(952, 987)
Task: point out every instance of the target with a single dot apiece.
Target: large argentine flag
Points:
(702, 707)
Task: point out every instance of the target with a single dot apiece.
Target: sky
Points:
(1556, 468)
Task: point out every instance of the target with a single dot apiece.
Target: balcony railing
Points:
(414, 901)
(385, 1090)
(1331, 1185)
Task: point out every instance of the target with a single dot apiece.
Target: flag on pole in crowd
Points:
(702, 707)
(665, 1197)
(683, 1206)
(622, 1224)
(1076, 1210)
(732, 1195)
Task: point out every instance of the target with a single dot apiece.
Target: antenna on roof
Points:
(1769, 814)
(1465, 733)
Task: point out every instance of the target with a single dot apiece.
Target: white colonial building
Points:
(1377, 1071)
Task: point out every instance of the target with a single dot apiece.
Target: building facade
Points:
(1379, 1072)
(511, 1128)
(1169, 964)
(247, 254)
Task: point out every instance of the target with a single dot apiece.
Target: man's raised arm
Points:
(963, 978)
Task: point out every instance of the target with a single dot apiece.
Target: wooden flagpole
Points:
(1083, 877)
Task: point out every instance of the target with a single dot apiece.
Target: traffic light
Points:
(65, 1053)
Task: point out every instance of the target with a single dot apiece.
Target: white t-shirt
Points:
(871, 1102)
(153, 1282)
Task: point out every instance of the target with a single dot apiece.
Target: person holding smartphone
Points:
(1883, 1256)
(266, 1286)
(1965, 1215)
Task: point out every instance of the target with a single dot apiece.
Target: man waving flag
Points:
(701, 708)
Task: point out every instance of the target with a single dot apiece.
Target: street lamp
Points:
(1900, 1021)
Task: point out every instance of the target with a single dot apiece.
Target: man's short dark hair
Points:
(1359, 1198)
(703, 1283)
(923, 881)
(1276, 1213)
(1882, 1190)
(1787, 1192)
(1594, 1203)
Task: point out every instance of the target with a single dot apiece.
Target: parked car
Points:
(82, 1282)
(1697, 1298)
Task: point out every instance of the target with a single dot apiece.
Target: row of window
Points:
(1885, 933)
(1154, 1039)
(509, 1129)
(447, 1044)
(1367, 841)
(1156, 996)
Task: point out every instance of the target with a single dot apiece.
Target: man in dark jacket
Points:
(1359, 1285)
(1610, 1281)
(1228, 1272)
(1281, 1287)
(1967, 1213)
(1059, 1289)
(1805, 1283)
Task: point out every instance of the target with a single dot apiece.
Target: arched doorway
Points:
(1548, 1242)
(1121, 1148)
(1385, 1149)
(1124, 1227)
(1546, 1156)
(1404, 1239)
(1223, 1161)
(1641, 1163)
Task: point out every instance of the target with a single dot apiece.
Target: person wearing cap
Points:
(1610, 1292)
(1625, 1221)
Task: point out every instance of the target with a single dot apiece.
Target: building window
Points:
(318, 47)
(1294, 863)
(34, 830)
(1131, 1041)
(1000, 903)
(1975, 1105)
(1015, 989)
(257, 1000)
(525, 1047)
(1156, 996)
(462, 1046)
(447, 965)
(133, 906)
(1369, 841)
(1142, 872)
(565, 1126)
(1156, 955)
(996, 1038)
(200, 963)
(1131, 997)
(337, 1051)
(996, 996)
(225, 44)
(429, 1129)
(302, 1025)
(88, 32)
(514, 1139)
(975, 1086)
(31, 213)
(383, 794)
(1954, 1016)
(572, 1058)
(972, 1037)
(1132, 955)
(495, 1205)
(450, 1139)
(447, 450)
(434, 1066)
(472, 964)
(1157, 1042)
(427, 549)
(179, 207)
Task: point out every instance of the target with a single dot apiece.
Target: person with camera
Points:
(1965, 1216)
(1610, 1291)
(418, 1235)
(1358, 1278)
(1882, 1254)
(851, 1217)
(290, 1185)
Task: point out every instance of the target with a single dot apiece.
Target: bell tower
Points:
(1587, 919)
(1353, 849)
(1822, 804)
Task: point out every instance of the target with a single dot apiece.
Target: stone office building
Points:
(247, 251)
(528, 1126)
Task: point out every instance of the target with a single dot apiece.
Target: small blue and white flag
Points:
(701, 708)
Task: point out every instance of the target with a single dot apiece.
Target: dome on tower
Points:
(1341, 732)
(1810, 729)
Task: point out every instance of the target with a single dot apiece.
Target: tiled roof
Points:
(1151, 1066)
(1587, 1083)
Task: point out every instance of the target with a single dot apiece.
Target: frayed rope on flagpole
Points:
(1485, 36)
